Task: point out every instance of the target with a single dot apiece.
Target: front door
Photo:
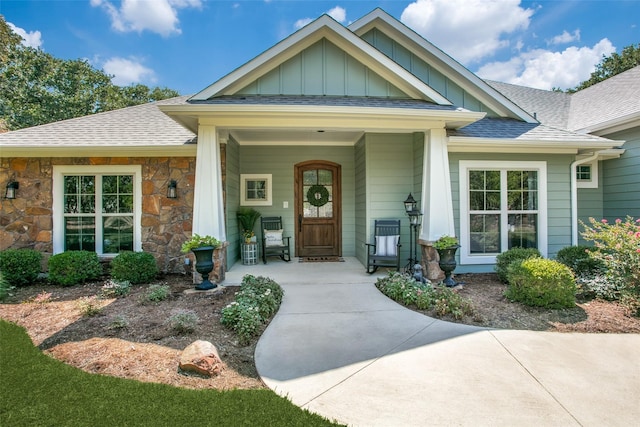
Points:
(318, 209)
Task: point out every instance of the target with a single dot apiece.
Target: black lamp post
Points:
(411, 209)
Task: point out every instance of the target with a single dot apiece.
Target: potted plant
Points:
(202, 247)
(247, 218)
(447, 247)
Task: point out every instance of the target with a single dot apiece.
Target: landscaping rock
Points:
(201, 357)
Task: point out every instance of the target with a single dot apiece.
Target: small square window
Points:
(255, 190)
(583, 173)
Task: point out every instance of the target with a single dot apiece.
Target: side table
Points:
(250, 253)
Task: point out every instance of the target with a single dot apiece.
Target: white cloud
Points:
(468, 30)
(158, 16)
(338, 13)
(565, 38)
(544, 69)
(31, 38)
(128, 71)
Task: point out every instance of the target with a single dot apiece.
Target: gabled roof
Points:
(442, 62)
(591, 108)
(138, 127)
(323, 27)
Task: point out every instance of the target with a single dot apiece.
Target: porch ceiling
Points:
(295, 137)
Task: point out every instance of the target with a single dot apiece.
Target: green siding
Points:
(621, 178)
(390, 177)
(322, 69)
(590, 204)
(425, 72)
(279, 161)
(558, 197)
(232, 195)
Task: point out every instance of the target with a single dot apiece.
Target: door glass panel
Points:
(310, 177)
(324, 178)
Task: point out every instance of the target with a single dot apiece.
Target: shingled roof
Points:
(138, 126)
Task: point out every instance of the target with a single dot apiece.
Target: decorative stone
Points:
(201, 357)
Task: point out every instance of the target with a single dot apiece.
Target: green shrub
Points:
(20, 267)
(258, 299)
(406, 291)
(183, 321)
(541, 282)
(5, 287)
(579, 260)
(617, 245)
(157, 293)
(118, 322)
(134, 267)
(504, 260)
(74, 268)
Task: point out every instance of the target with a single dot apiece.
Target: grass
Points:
(37, 390)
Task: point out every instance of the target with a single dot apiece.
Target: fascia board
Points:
(93, 151)
(336, 117)
(614, 125)
(323, 27)
(484, 145)
(431, 54)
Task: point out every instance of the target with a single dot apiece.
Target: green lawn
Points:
(36, 390)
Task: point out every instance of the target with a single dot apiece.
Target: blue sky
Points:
(188, 44)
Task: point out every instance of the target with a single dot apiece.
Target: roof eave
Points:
(333, 117)
(457, 144)
(614, 125)
(184, 150)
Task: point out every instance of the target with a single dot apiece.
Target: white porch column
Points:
(208, 209)
(437, 203)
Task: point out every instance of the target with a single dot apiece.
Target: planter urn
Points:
(204, 266)
(448, 263)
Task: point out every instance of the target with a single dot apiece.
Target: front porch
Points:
(349, 272)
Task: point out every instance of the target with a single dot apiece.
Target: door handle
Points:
(299, 223)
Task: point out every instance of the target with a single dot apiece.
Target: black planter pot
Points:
(448, 263)
(204, 266)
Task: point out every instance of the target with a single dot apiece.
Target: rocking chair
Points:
(385, 252)
(273, 243)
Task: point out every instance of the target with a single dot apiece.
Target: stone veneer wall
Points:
(26, 221)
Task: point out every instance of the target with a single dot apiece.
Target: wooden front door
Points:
(318, 209)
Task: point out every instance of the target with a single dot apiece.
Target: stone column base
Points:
(430, 262)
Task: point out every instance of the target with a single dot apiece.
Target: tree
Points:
(37, 88)
(609, 66)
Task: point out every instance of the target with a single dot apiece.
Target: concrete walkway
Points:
(340, 348)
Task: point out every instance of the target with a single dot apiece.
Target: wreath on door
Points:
(318, 195)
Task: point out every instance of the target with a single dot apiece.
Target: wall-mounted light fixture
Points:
(12, 186)
(172, 189)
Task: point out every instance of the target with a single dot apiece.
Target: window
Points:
(97, 209)
(587, 175)
(255, 190)
(502, 205)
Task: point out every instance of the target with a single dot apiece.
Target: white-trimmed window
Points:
(502, 205)
(587, 175)
(97, 208)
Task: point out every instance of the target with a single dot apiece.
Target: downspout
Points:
(574, 196)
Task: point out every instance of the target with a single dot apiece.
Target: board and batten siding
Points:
(621, 186)
(232, 197)
(425, 72)
(279, 161)
(558, 198)
(322, 69)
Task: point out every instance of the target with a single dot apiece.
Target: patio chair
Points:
(385, 251)
(273, 242)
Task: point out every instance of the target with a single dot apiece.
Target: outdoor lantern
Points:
(414, 217)
(410, 204)
(172, 189)
(12, 186)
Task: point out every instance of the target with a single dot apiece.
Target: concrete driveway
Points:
(340, 348)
